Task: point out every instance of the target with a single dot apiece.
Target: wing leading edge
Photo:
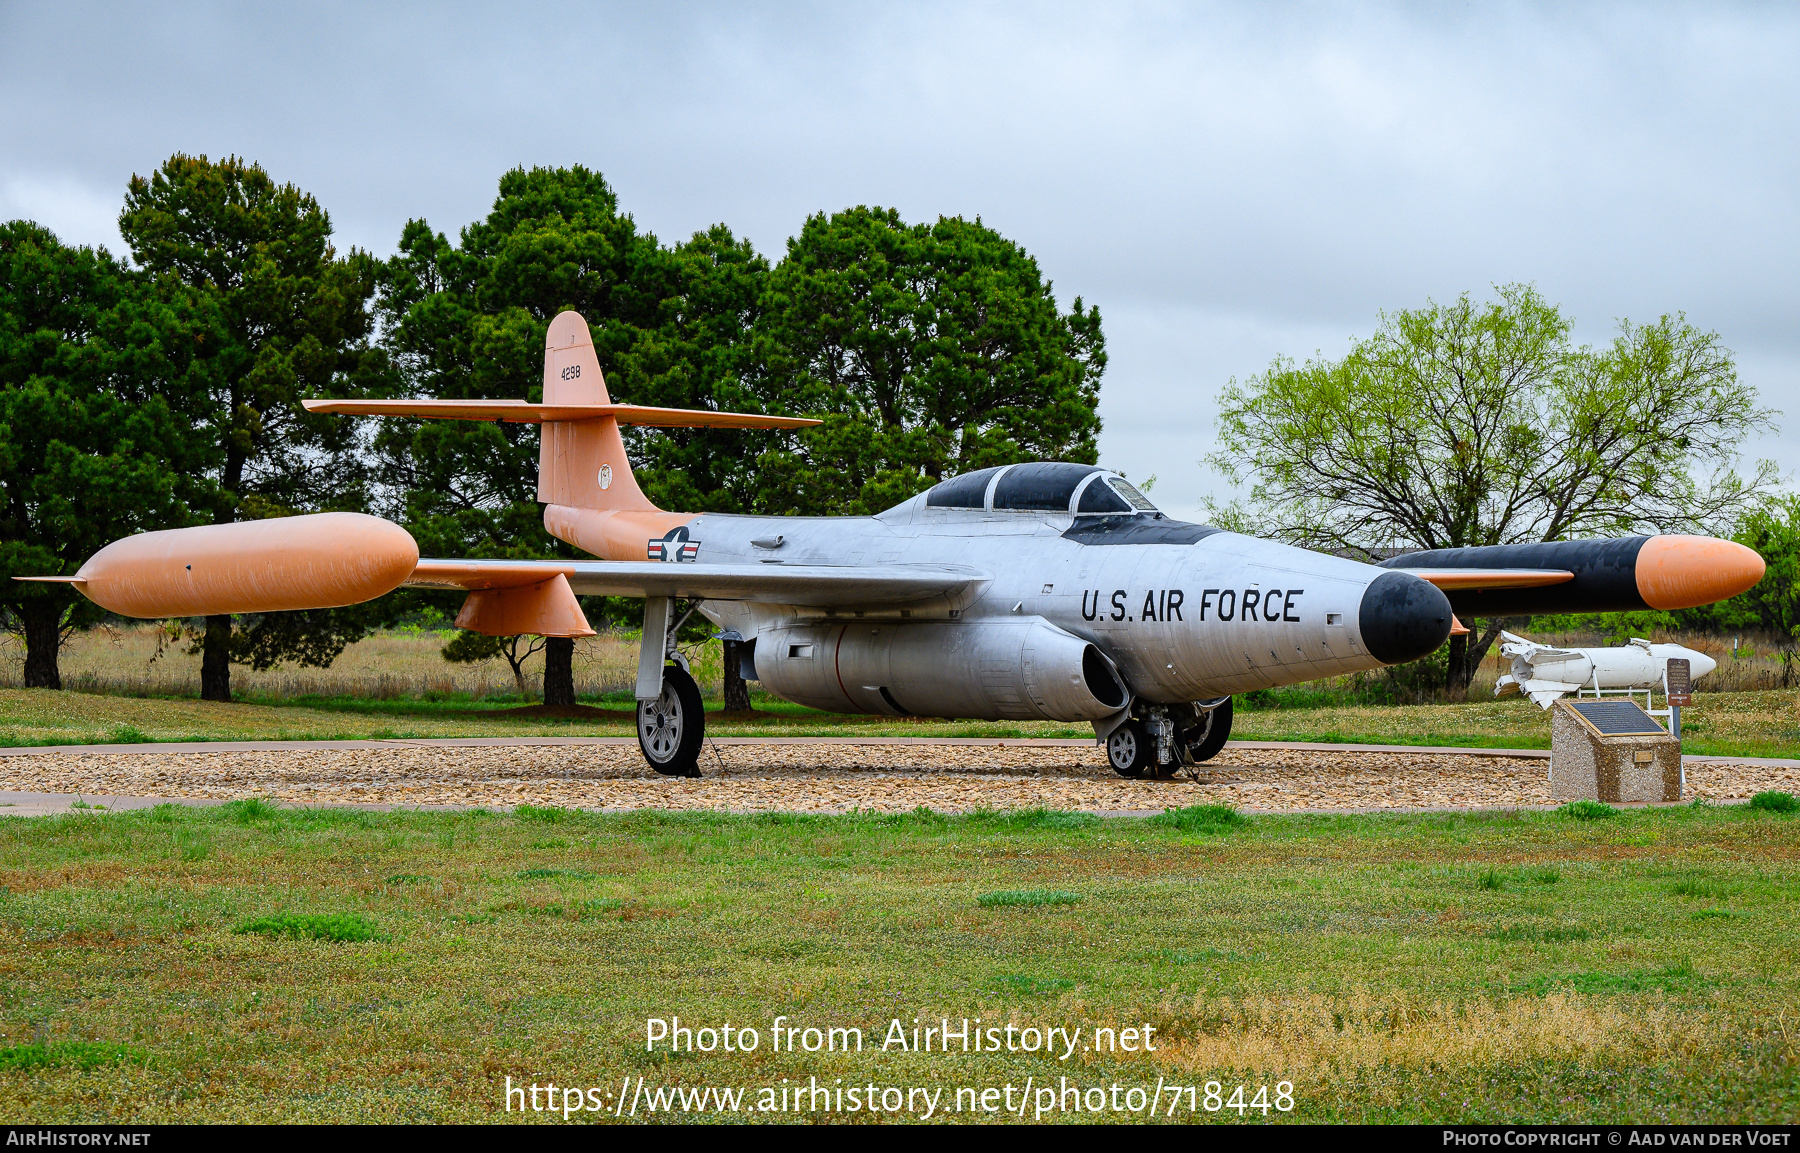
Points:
(811, 586)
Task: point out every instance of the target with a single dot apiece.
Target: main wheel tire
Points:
(1217, 731)
(672, 727)
(1131, 750)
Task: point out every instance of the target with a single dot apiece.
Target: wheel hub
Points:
(661, 726)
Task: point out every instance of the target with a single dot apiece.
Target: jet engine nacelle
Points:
(1021, 669)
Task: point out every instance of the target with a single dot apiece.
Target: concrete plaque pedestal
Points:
(1601, 752)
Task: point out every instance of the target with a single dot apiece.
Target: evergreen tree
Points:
(99, 385)
(289, 319)
(930, 350)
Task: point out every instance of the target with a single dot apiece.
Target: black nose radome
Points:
(1403, 618)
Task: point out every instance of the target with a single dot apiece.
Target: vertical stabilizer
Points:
(581, 463)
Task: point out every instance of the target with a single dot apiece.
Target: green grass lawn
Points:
(248, 963)
(1762, 724)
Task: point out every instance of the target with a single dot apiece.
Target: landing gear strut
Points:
(671, 722)
(1203, 737)
(1166, 737)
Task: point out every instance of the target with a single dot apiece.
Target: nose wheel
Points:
(672, 727)
(1131, 750)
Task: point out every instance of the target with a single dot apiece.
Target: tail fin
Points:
(582, 463)
(591, 500)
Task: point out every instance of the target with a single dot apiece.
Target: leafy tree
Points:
(97, 390)
(930, 350)
(1772, 528)
(701, 356)
(471, 648)
(1479, 424)
(289, 319)
(468, 320)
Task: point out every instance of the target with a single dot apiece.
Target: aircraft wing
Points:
(814, 586)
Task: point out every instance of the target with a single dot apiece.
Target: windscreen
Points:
(1097, 498)
(1138, 500)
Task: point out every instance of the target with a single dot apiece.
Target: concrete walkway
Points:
(967, 742)
(57, 804)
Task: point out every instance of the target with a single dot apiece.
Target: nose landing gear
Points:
(1166, 737)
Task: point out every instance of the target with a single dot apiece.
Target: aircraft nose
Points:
(1699, 664)
(1402, 618)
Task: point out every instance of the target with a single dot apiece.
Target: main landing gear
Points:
(1165, 737)
(672, 727)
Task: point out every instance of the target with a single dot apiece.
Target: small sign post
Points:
(1678, 682)
(1680, 686)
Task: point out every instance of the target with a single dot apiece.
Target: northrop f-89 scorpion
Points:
(1026, 592)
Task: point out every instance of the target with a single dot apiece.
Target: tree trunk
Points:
(1466, 657)
(737, 691)
(215, 660)
(559, 670)
(42, 619)
(1456, 665)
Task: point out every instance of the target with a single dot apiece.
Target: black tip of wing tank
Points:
(1403, 618)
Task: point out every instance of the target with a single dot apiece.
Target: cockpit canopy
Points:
(1079, 489)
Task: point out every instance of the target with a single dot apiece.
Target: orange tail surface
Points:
(591, 500)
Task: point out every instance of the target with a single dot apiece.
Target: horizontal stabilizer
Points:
(816, 586)
(523, 412)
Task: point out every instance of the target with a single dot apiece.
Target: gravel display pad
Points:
(831, 778)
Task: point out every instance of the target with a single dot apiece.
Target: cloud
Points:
(77, 211)
(1222, 180)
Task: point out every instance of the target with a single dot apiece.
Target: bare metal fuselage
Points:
(1220, 615)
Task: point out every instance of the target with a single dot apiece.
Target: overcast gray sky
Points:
(1228, 183)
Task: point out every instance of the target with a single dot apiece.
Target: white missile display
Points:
(1544, 673)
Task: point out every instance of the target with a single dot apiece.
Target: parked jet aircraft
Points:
(1026, 592)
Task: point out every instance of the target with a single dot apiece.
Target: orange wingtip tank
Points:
(1684, 572)
(324, 560)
